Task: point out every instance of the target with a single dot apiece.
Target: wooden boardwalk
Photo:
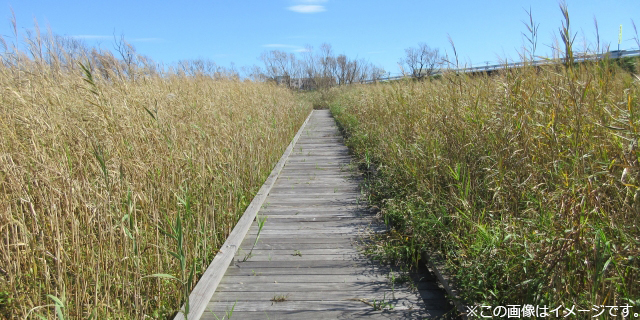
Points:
(307, 263)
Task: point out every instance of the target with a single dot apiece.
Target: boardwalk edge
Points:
(206, 287)
(435, 263)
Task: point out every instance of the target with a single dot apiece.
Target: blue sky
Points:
(378, 31)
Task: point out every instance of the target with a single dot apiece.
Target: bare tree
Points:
(308, 63)
(422, 61)
(352, 71)
(280, 66)
(127, 53)
(197, 68)
(254, 73)
(376, 73)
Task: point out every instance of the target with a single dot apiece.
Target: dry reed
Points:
(527, 181)
(97, 159)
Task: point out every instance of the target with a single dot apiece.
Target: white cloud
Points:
(307, 8)
(292, 47)
(279, 45)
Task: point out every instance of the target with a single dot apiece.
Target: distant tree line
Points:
(304, 70)
(314, 69)
(39, 51)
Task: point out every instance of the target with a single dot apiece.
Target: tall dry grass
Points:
(527, 181)
(107, 168)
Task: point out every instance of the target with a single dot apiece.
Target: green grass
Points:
(526, 181)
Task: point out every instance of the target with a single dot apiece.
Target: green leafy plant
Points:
(260, 220)
(228, 314)
(185, 280)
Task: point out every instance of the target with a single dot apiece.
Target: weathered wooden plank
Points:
(314, 190)
(291, 257)
(318, 227)
(326, 211)
(348, 231)
(316, 174)
(333, 209)
(296, 246)
(307, 173)
(318, 182)
(315, 223)
(334, 178)
(303, 264)
(315, 315)
(312, 238)
(351, 304)
(312, 212)
(328, 208)
(309, 251)
(313, 202)
(305, 150)
(237, 271)
(331, 146)
(320, 142)
(337, 218)
(328, 194)
(305, 278)
(294, 215)
(300, 156)
(319, 166)
(313, 199)
(336, 152)
(330, 286)
(328, 200)
(330, 226)
(231, 296)
(320, 172)
(241, 269)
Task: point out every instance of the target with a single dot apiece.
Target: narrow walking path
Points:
(307, 263)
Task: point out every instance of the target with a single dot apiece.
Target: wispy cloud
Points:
(307, 8)
(279, 45)
(292, 47)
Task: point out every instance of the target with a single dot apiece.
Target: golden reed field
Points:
(110, 173)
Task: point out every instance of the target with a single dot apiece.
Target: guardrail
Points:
(495, 67)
